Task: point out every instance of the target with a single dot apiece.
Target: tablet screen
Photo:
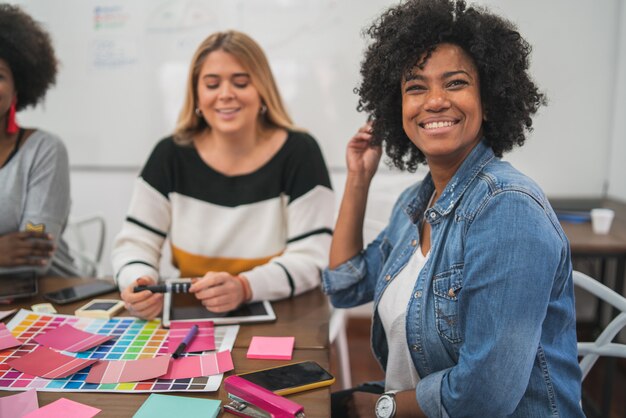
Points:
(17, 285)
(200, 312)
(185, 307)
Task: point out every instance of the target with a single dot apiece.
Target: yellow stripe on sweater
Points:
(193, 265)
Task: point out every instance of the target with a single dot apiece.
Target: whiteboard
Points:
(124, 63)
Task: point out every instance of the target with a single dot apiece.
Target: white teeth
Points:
(440, 124)
(226, 110)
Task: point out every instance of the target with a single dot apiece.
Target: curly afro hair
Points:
(27, 49)
(411, 30)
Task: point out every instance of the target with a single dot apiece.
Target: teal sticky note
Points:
(167, 406)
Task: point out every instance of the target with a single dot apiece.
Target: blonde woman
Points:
(243, 196)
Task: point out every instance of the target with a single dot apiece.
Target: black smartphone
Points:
(291, 378)
(80, 292)
(18, 285)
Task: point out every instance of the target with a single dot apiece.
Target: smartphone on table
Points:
(80, 292)
(291, 378)
(18, 285)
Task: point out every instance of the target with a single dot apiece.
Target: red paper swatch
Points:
(64, 408)
(7, 339)
(44, 362)
(68, 338)
(128, 370)
(196, 366)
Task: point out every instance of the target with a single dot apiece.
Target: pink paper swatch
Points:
(64, 408)
(128, 370)
(271, 348)
(68, 338)
(204, 339)
(196, 366)
(17, 406)
(7, 339)
(47, 363)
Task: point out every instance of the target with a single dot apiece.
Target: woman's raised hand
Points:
(361, 157)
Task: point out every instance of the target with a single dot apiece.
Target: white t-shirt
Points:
(392, 308)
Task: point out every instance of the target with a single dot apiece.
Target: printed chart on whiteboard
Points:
(134, 339)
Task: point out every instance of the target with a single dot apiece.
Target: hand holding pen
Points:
(145, 305)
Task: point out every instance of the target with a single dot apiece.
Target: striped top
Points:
(272, 225)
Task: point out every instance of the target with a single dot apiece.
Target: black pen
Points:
(165, 288)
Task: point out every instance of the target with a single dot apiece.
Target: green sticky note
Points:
(167, 406)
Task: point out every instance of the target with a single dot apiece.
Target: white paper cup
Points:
(601, 220)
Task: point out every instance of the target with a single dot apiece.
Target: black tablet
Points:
(18, 285)
(184, 307)
(80, 292)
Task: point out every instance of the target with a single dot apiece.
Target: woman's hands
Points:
(26, 248)
(361, 158)
(221, 291)
(144, 304)
(217, 291)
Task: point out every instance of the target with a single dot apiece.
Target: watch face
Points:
(385, 407)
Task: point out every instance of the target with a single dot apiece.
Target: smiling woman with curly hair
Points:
(34, 171)
(406, 36)
(471, 279)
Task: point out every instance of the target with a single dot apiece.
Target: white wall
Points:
(617, 157)
(579, 142)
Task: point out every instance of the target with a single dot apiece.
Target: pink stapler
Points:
(250, 400)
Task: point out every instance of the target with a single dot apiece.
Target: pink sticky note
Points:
(271, 348)
(47, 363)
(128, 370)
(6, 338)
(204, 339)
(68, 338)
(64, 408)
(19, 405)
(196, 366)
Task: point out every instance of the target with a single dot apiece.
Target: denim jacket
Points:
(491, 322)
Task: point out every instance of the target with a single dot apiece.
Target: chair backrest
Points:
(85, 238)
(603, 345)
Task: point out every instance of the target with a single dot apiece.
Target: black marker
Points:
(165, 288)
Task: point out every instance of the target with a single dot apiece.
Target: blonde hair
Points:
(254, 61)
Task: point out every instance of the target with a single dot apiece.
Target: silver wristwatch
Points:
(386, 405)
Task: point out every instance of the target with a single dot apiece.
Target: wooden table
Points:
(585, 244)
(305, 317)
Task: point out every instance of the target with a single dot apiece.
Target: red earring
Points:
(12, 126)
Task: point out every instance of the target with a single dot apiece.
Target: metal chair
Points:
(603, 345)
(85, 238)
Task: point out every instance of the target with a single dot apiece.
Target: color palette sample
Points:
(204, 339)
(134, 339)
(116, 371)
(205, 365)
